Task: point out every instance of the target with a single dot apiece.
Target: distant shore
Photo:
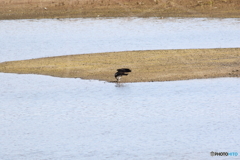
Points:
(146, 66)
(35, 9)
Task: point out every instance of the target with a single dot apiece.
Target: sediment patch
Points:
(31, 9)
(146, 66)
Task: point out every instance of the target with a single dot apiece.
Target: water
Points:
(26, 39)
(43, 117)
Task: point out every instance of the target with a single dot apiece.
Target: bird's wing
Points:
(120, 73)
(124, 70)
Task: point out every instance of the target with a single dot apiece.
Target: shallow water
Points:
(43, 117)
(26, 39)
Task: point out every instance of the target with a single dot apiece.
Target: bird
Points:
(121, 72)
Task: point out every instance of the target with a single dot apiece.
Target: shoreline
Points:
(33, 9)
(146, 66)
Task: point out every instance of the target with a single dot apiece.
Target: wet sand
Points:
(146, 66)
(31, 9)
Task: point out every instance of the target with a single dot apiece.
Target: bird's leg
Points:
(118, 79)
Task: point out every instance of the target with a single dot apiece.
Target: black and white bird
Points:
(121, 72)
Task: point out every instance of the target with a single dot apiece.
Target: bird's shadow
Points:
(118, 84)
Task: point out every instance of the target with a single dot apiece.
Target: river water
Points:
(46, 118)
(26, 39)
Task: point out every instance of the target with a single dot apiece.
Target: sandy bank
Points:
(157, 65)
(25, 9)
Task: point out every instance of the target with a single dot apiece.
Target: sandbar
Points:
(146, 66)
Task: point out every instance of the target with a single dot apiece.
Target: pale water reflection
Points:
(26, 39)
(45, 117)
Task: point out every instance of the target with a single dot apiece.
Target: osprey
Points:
(121, 72)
